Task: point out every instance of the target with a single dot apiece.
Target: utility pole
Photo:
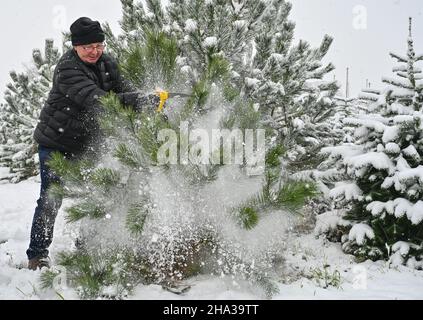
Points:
(347, 90)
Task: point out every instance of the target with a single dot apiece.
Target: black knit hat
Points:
(86, 31)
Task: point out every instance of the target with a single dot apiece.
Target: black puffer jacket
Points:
(68, 119)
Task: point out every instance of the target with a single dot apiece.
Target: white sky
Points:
(382, 27)
(364, 51)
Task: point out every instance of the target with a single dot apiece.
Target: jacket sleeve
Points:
(128, 93)
(78, 87)
(137, 101)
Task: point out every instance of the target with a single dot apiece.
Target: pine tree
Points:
(216, 41)
(271, 73)
(219, 37)
(129, 192)
(25, 96)
(163, 223)
(378, 177)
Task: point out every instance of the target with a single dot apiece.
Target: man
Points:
(67, 121)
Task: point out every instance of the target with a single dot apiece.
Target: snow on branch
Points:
(398, 82)
(343, 151)
(377, 160)
(398, 57)
(360, 232)
(399, 207)
(368, 96)
(348, 191)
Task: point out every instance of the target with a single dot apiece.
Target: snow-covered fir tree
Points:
(155, 223)
(377, 181)
(25, 96)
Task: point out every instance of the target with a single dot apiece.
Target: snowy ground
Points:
(307, 260)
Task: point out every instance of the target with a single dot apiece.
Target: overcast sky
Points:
(364, 31)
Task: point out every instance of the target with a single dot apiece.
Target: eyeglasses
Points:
(99, 47)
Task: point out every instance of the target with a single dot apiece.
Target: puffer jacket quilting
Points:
(68, 119)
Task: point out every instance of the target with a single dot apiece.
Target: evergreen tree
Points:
(122, 200)
(162, 223)
(377, 179)
(347, 108)
(252, 40)
(296, 101)
(235, 40)
(25, 96)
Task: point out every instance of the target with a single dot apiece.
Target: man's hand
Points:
(148, 100)
(138, 101)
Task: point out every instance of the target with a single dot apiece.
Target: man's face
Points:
(90, 53)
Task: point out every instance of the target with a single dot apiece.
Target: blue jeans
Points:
(46, 210)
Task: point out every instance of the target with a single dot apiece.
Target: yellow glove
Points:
(164, 95)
